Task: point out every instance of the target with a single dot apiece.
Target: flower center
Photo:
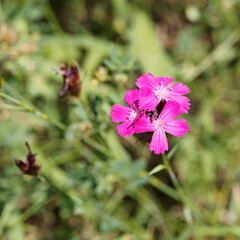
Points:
(160, 125)
(161, 91)
(133, 114)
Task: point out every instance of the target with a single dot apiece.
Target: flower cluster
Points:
(153, 108)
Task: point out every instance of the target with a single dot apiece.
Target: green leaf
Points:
(158, 168)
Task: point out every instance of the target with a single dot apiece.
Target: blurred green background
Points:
(94, 184)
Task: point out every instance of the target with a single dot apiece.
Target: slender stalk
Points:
(204, 215)
(177, 185)
(95, 145)
(174, 179)
(161, 186)
(34, 111)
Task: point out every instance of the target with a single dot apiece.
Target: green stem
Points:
(182, 197)
(171, 174)
(54, 122)
(34, 111)
(161, 186)
(176, 183)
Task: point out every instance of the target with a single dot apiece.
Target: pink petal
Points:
(120, 113)
(147, 99)
(126, 128)
(144, 124)
(166, 81)
(177, 127)
(183, 101)
(146, 80)
(184, 107)
(159, 142)
(131, 96)
(169, 112)
(179, 88)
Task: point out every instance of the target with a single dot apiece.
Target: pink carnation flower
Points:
(128, 116)
(164, 123)
(153, 90)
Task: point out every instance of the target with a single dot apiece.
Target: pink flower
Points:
(164, 123)
(128, 116)
(154, 90)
